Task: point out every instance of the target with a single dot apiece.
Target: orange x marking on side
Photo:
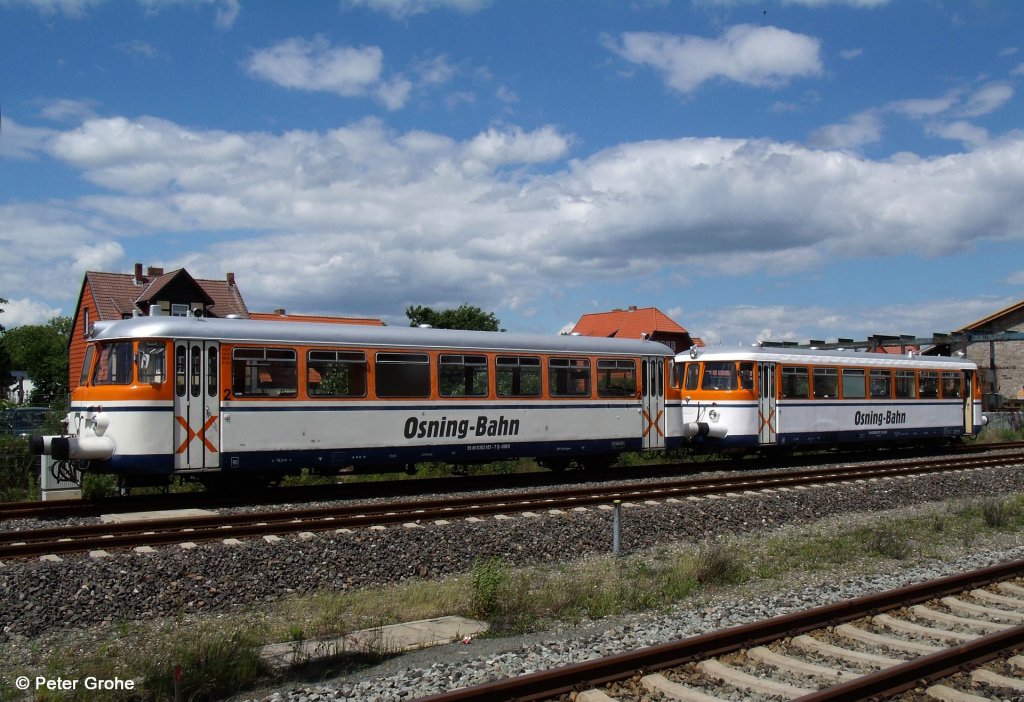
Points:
(768, 421)
(653, 423)
(193, 434)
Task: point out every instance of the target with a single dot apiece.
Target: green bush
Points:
(19, 471)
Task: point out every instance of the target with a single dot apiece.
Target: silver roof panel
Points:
(313, 333)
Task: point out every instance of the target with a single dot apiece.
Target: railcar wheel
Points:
(556, 465)
(599, 462)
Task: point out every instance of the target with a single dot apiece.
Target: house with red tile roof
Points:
(149, 292)
(152, 292)
(636, 323)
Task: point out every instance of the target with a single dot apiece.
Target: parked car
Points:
(22, 421)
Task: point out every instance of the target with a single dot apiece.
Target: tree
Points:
(6, 366)
(42, 352)
(463, 317)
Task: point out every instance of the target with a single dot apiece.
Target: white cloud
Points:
(924, 107)
(859, 130)
(25, 311)
(757, 56)
(226, 10)
(497, 147)
(22, 142)
(402, 9)
(300, 215)
(986, 99)
(965, 132)
(316, 65)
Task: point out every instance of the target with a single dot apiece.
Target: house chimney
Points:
(279, 312)
(138, 274)
(231, 279)
(154, 271)
(632, 308)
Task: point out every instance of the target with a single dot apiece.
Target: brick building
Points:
(997, 346)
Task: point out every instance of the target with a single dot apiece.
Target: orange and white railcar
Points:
(764, 397)
(185, 396)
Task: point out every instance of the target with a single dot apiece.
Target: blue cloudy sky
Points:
(782, 169)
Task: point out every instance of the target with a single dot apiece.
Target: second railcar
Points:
(780, 397)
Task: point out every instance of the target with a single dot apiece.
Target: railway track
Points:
(61, 509)
(93, 537)
(952, 639)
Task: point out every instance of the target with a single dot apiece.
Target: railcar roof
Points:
(311, 333)
(841, 358)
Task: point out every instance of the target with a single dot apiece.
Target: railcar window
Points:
(402, 375)
(195, 379)
(692, 376)
(616, 377)
(826, 383)
(905, 385)
(336, 373)
(212, 372)
(569, 377)
(880, 383)
(260, 372)
(747, 376)
(86, 365)
(518, 376)
(719, 375)
(151, 362)
(179, 370)
(854, 387)
(114, 365)
(928, 384)
(794, 382)
(462, 376)
(950, 384)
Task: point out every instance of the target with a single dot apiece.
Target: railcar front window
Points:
(928, 384)
(260, 372)
(87, 364)
(881, 384)
(905, 387)
(336, 374)
(719, 375)
(462, 376)
(795, 383)
(518, 376)
(151, 362)
(569, 377)
(853, 384)
(616, 377)
(114, 365)
(402, 375)
(692, 376)
(950, 384)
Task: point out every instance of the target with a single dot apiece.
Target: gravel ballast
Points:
(41, 598)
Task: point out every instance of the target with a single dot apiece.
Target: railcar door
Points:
(652, 409)
(196, 405)
(968, 402)
(766, 407)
